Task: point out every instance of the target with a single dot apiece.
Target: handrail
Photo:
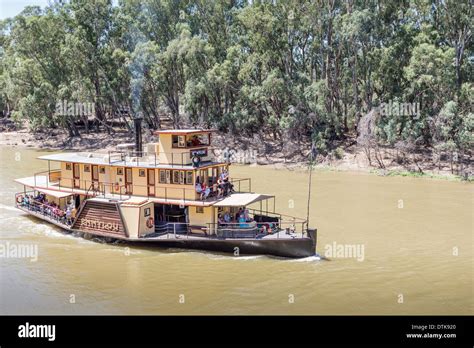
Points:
(181, 193)
(255, 227)
(32, 205)
(182, 158)
(216, 231)
(187, 193)
(240, 180)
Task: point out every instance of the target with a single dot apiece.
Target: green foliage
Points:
(290, 69)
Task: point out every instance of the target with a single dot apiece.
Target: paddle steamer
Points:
(170, 193)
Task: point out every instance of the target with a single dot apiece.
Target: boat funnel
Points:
(138, 136)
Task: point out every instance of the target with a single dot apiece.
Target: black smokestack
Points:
(138, 136)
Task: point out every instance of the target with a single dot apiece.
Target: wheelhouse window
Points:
(191, 140)
(179, 141)
(194, 140)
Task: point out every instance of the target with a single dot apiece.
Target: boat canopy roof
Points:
(183, 131)
(53, 193)
(242, 199)
(103, 159)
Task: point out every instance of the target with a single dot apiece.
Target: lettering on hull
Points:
(102, 218)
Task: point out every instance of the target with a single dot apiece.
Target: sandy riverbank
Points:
(254, 151)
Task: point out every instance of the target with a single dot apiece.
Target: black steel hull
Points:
(284, 247)
(294, 248)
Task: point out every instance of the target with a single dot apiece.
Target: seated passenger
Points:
(205, 191)
(220, 188)
(195, 141)
(237, 215)
(227, 217)
(246, 215)
(242, 221)
(220, 220)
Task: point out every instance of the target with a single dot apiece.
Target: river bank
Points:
(260, 151)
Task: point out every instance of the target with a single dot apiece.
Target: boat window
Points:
(181, 176)
(102, 170)
(68, 166)
(178, 141)
(200, 210)
(189, 177)
(87, 168)
(197, 140)
(175, 176)
(162, 176)
(168, 176)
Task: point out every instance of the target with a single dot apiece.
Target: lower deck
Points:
(170, 230)
(277, 243)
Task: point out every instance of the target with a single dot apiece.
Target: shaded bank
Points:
(261, 150)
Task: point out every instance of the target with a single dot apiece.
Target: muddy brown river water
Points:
(412, 238)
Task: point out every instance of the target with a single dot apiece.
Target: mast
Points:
(312, 156)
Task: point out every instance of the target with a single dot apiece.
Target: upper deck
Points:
(174, 148)
(166, 169)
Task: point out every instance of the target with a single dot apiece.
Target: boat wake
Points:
(9, 208)
(308, 259)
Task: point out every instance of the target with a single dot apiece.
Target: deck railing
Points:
(258, 229)
(54, 214)
(145, 158)
(116, 190)
(252, 230)
(102, 188)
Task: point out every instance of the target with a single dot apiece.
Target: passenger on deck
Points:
(227, 217)
(220, 188)
(205, 191)
(198, 188)
(237, 215)
(246, 215)
(227, 185)
(68, 216)
(242, 222)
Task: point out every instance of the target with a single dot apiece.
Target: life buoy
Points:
(19, 199)
(150, 222)
(117, 186)
(196, 161)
